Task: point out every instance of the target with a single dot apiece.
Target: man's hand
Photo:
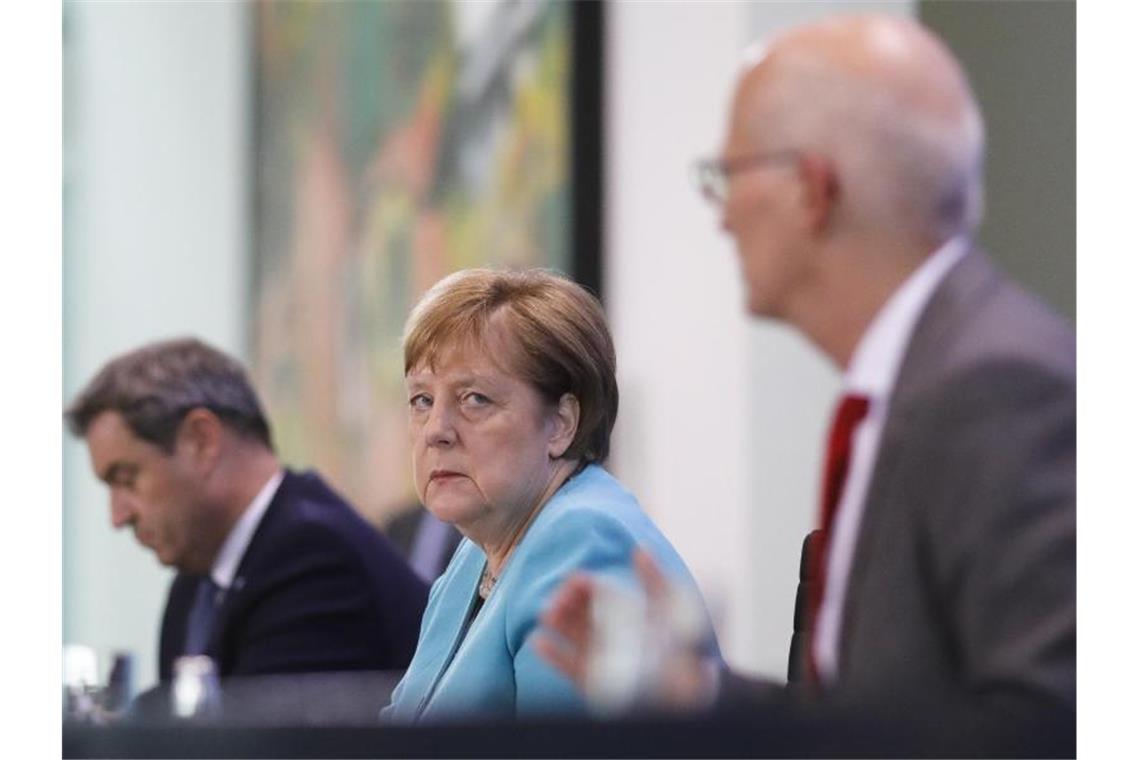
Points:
(566, 638)
(673, 675)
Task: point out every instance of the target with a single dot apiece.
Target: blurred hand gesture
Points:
(625, 650)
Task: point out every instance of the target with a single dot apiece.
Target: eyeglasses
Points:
(711, 175)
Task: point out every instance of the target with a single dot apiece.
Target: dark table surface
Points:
(333, 715)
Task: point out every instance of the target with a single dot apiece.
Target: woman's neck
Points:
(498, 552)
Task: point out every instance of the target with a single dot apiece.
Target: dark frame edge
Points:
(587, 149)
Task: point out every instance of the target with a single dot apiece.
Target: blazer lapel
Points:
(891, 448)
(450, 630)
(172, 640)
(962, 287)
(250, 566)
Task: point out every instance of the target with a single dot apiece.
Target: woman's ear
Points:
(565, 420)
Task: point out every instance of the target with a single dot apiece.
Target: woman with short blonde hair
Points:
(512, 398)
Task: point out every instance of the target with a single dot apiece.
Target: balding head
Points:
(883, 100)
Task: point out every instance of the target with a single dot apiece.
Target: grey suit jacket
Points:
(964, 575)
(963, 585)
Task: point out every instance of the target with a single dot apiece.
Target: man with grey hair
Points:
(276, 572)
(851, 182)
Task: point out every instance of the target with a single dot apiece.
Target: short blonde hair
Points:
(558, 333)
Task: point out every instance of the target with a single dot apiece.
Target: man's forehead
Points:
(110, 441)
(740, 134)
(757, 78)
(109, 425)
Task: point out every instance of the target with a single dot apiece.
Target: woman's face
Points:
(484, 442)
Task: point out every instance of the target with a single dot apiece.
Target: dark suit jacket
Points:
(318, 589)
(963, 584)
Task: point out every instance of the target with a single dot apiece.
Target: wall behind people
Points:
(156, 104)
(1021, 59)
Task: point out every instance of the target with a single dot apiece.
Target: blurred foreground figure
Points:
(276, 572)
(851, 182)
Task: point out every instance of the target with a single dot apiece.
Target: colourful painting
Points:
(395, 142)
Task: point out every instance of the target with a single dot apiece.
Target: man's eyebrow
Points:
(117, 470)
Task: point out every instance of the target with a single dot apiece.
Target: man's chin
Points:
(759, 308)
(168, 559)
(765, 302)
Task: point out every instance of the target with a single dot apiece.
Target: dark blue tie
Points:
(201, 618)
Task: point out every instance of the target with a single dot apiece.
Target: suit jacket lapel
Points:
(172, 639)
(967, 282)
(249, 567)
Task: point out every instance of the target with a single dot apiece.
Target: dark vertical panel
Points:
(1021, 60)
(586, 143)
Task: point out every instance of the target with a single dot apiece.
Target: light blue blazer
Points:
(591, 524)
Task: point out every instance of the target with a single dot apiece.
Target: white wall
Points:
(155, 238)
(673, 293)
(722, 418)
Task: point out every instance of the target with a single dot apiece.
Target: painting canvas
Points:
(395, 142)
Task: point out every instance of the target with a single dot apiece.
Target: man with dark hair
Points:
(276, 572)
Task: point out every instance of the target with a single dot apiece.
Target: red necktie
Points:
(851, 411)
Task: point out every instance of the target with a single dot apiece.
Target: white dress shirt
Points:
(872, 372)
(233, 549)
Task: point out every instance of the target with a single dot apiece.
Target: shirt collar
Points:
(226, 564)
(878, 355)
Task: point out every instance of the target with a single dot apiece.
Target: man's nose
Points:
(122, 508)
